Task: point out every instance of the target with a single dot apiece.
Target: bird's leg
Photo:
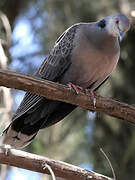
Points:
(75, 87)
(92, 96)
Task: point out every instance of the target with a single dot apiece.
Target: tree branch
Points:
(38, 163)
(60, 92)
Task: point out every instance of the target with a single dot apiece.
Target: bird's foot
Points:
(87, 91)
(92, 96)
(75, 87)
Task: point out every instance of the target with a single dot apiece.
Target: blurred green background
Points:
(34, 27)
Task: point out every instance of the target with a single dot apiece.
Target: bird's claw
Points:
(75, 87)
(92, 96)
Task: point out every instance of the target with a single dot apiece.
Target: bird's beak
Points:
(121, 34)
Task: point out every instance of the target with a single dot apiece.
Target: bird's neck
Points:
(103, 41)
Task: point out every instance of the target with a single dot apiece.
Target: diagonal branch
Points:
(37, 163)
(60, 92)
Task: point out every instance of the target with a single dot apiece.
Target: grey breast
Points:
(94, 56)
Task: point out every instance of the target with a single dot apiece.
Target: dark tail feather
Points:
(23, 129)
(16, 139)
(19, 134)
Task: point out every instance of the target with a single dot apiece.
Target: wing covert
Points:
(56, 63)
(59, 58)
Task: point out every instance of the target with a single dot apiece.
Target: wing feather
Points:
(52, 68)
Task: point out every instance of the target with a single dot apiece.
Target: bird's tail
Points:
(23, 128)
(16, 139)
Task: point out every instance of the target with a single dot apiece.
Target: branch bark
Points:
(38, 163)
(60, 92)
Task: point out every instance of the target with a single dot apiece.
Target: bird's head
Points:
(115, 25)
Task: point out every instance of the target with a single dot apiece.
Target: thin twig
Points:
(109, 162)
(6, 94)
(7, 27)
(50, 170)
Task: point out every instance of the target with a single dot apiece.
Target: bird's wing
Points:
(59, 58)
(56, 63)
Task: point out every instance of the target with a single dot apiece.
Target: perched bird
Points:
(84, 55)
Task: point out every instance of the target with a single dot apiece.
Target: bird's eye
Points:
(102, 23)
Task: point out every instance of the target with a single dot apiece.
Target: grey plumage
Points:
(85, 54)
